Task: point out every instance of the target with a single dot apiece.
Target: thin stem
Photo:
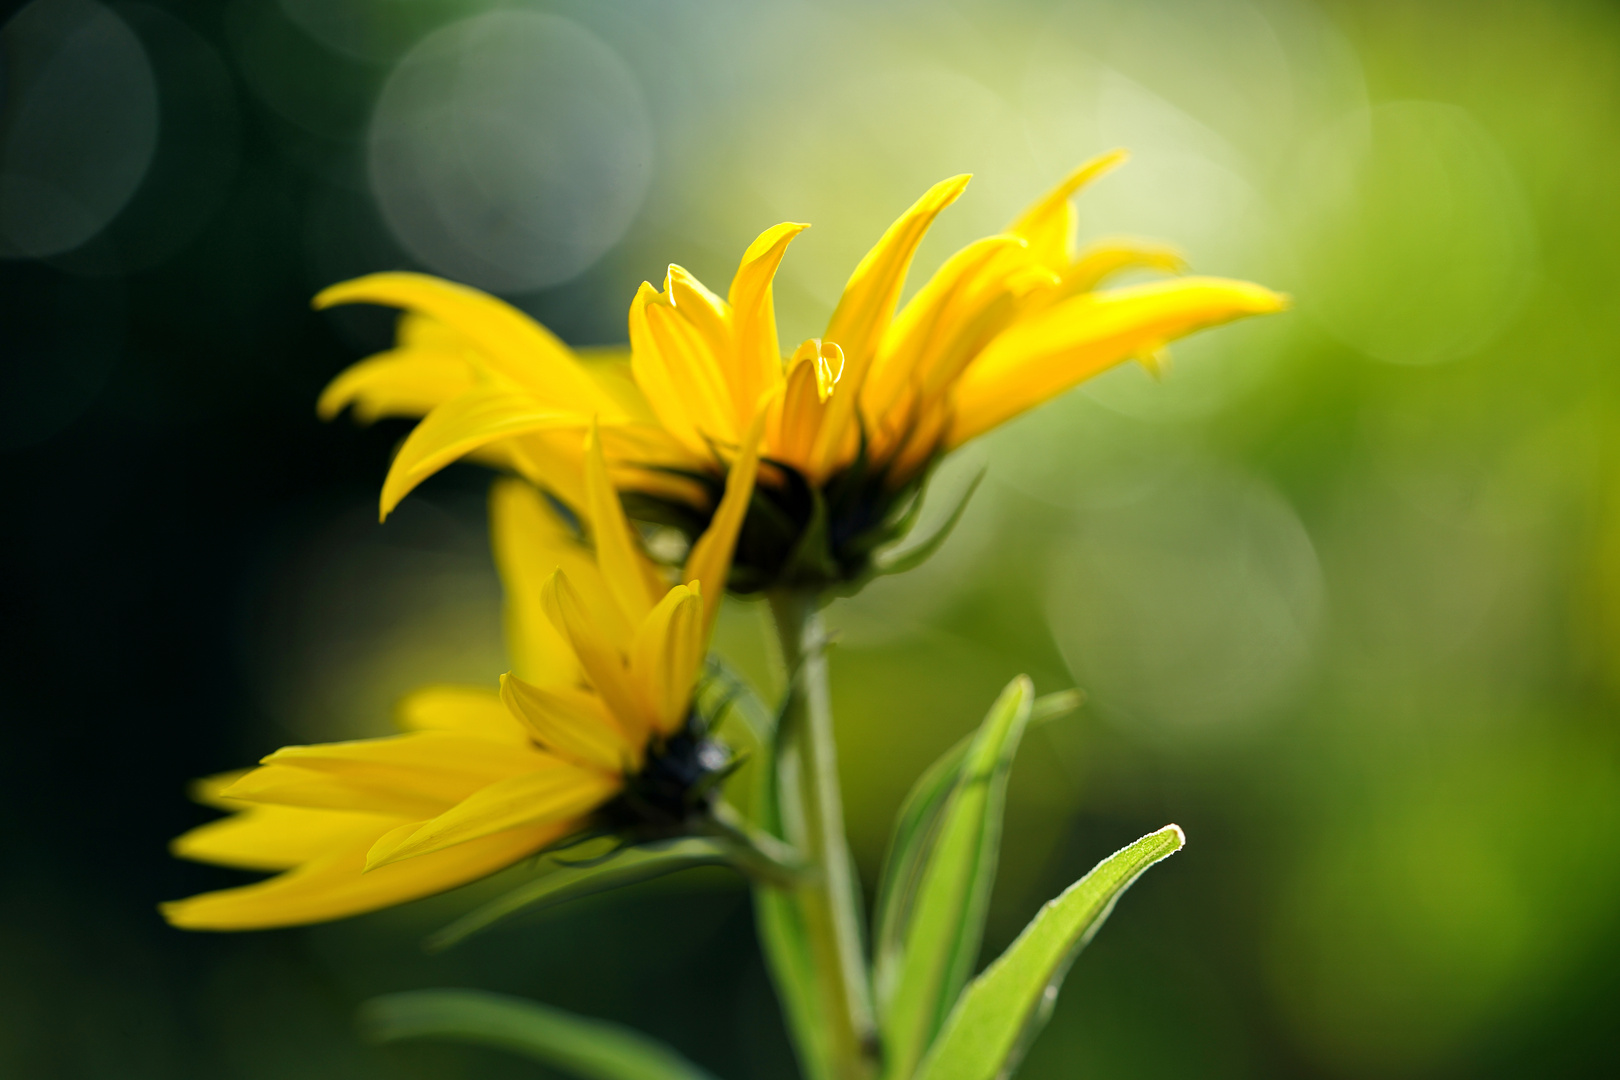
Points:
(756, 852)
(808, 758)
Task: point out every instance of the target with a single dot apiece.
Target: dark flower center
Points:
(678, 782)
(796, 534)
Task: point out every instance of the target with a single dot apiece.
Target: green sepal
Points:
(914, 557)
(1000, 1013)
(938, 881)
(724, 694)
(592, 1049)
(572, 882)
(811, 559)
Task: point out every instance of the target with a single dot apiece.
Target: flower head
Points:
(594, 729)
(853, 420)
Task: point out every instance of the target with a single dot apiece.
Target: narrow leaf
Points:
(935, 925)
(593, 1049)
(915, 828)
(1052, 706)
(917, 825)
(573, 882)
(1002, 1011)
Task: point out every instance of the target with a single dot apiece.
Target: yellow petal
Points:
(1105, 258)
(400, 382)
(488, 412)
(666, 655)
(870, 296)
(1048, 224)
(335, 885)
(467, 710)
(678, 364)
(1041, 357)
(604, 664)
(638, 456)
(556, 792)
(572, 723)
(210, 790)
(863, 313)
(707, 314)
(399, 774)
(709, 561)
(407, 797)
(631, 578)
(797, 410)
(276, 837)
(758, 355)
(917, 333)
(531, 541)
(609, 368)
(507, 340)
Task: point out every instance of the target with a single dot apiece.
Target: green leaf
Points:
(1052, 706)
(1002, 1011)
(947, 844)
(588, 1048)
(573, 882)
(917, 824)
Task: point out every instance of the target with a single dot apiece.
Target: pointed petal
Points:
(531, 541)
(486, 413)
(796, 411)
(571, 723)
(631, 577)
(466, 710)
(604, 664)
(401, 774)
(556, 792)
(709, 561)
(1048, 224)
(1071, 341)
(400, 382)
(286, 785)
(916, 333)
(335, 885)
(210, 790)
(707, 314)
(1104, 258)
(667, 653)
(276, 837)
(678, 367)
(862, 316)
(506, 339)
(758, 358)
(870, 296)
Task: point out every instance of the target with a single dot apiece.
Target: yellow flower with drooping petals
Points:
(853, 419)
(593, 728)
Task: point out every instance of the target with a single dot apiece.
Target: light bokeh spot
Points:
(1417, 243)
(510, 150)
(1192, 609)
(79, 130)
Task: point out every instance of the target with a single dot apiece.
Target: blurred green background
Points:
(1344, 588)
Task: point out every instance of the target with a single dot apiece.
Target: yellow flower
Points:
(853, 419)
(594, 728)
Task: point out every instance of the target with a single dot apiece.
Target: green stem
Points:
(813, 817)
(755, 851)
